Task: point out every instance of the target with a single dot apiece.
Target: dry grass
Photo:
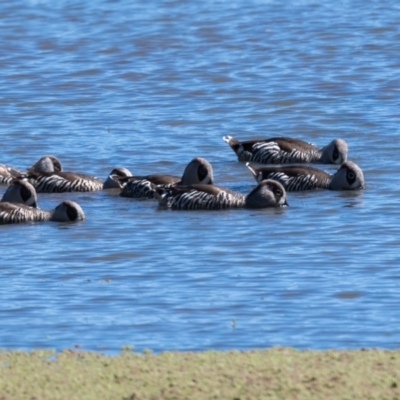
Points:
(278, 373)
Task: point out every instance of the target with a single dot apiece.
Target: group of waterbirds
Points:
(195, 190)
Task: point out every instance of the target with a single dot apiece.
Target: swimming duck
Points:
(67, 211)
(296, 178)
(19, 205)
(268, 193)
(198, 170)
(282, 150)
(47, 176)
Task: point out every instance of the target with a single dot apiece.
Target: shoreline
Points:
(274, 373)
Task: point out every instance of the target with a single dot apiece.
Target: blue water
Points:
(150, 86)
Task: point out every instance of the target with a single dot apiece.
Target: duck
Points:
(22, 192)
(113, 179)
(47, 176)
(8, 174)
(296, 178)
(13, 213)
(268, 193)
(198, 171)
(19, 204)
(284, 150)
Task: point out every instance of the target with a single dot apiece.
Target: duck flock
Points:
(195, 190)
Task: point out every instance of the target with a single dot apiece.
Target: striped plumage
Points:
(281, 150)
(199, 197)
(268, 193)
(21, 192)
(145, 187)
(12, 213)
(8, 174)
(64, 182)
(67, 211)
(198, 170)
(47, 177)
(297, 178)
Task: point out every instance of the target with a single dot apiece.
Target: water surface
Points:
(149, 87)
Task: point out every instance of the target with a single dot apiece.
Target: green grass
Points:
(277, 373)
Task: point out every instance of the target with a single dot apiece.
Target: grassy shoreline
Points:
(276, 373)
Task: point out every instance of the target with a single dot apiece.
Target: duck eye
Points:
(278, 192)
(351, 175)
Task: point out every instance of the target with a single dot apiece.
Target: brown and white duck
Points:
(283, 150)
(297, 178)
(268, 193)
(19, 204)
(47, 176)
(199, 170)
(13, 213)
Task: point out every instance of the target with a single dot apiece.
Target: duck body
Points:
(145, 186)
(13, 213)
(198, 171)
(268, 193)
(298, 178)
(47, 176)
(283, 150)
(199, 197)
(60, 182)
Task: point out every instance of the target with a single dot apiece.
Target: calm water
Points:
(150, 86)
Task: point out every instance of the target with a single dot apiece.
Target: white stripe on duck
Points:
(282, 150)
(268, 193)
(296, 178)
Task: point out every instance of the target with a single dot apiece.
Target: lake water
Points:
(150, 85)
